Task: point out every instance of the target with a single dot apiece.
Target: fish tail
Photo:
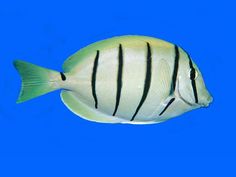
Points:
(36, 80)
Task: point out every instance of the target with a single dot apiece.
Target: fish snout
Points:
(207, 102)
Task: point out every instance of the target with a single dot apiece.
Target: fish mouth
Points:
(208, 101)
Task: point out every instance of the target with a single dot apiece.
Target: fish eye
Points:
(193, 74)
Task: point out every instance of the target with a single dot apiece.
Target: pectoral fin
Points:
(167, 104)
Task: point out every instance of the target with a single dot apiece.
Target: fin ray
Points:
(36, 80)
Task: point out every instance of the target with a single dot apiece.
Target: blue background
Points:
(43, 137)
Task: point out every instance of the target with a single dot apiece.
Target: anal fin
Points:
(72, 102)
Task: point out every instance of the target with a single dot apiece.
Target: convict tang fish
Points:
(127, 79)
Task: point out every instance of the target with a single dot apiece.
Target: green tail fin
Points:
(36, 80)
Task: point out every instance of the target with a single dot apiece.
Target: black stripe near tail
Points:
(147, 82)
(93, 80)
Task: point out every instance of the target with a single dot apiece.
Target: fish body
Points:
(127, 79)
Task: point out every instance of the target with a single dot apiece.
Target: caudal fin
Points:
(36, 80)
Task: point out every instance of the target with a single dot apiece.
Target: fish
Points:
(127, 79)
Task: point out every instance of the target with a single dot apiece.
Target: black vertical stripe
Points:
(93, 80)
(193, 82)
(174, 78)
(175, 72)
(147, 82)
(168, 104)
(119, 78)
